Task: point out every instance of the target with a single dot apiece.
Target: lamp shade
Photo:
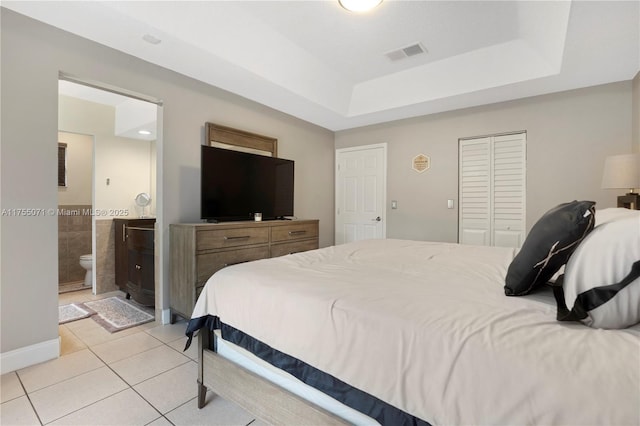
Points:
(621, 171)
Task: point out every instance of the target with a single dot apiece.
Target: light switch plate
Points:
(394, 204)
(449, 204)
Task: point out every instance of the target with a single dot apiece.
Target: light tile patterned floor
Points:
(138, 376)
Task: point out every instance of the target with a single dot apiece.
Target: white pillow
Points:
(604, 258)
(607, 215)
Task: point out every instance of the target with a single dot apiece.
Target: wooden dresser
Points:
(200, 249)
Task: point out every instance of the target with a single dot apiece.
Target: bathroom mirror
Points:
(62, 164)
(143, 200)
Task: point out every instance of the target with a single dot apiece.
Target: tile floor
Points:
(138, 376)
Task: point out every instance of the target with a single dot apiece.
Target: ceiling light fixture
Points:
(144, 132)
(359, 5)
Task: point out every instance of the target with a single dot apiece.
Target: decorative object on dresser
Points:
(200, 249)
(134, 259)
(623, 172)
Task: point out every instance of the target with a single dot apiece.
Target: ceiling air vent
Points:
(405, 52)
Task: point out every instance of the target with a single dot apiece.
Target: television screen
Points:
(235, 185)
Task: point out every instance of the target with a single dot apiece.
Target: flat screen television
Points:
(236, 185)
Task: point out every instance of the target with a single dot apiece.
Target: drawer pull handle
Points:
(297, 232)
(242, 237)
(138, 267)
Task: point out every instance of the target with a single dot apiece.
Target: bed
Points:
(406, 332)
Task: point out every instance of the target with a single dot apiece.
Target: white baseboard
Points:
(29, 355)
(166, 316)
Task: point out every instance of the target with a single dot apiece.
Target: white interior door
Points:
(361, 182)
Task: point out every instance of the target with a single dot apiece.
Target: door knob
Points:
(377, 219)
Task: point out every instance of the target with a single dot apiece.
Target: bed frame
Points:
(255, 394)
(259, 396)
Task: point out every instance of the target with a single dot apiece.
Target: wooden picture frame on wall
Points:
(230, 138)
(62, 164)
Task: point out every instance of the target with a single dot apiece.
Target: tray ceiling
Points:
(318, 62)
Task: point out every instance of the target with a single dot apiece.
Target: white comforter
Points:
(427, 328)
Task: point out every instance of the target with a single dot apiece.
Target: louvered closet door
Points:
(492, 190)
(475, 192)
(508, 190)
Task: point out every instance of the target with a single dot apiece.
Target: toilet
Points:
(86, 261)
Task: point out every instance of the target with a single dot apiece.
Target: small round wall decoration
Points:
(421, 163)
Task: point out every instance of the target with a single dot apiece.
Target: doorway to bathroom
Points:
(107, 159)
(75, 194)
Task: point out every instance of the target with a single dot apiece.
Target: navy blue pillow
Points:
(549, 245)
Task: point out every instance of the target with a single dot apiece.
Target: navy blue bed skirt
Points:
(363, 402)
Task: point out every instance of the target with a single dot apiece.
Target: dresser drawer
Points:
(294, 231)
(293, 247)
(212, 239)
(207, 264)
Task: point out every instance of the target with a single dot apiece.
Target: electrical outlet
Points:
(394, 204)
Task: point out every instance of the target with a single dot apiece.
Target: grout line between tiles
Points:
(132, 386)
(129, 386)
(29, 399)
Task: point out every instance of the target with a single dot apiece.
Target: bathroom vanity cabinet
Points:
(140, 277)
(134, 259)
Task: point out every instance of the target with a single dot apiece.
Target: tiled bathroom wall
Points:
(74, 240)
(105, 256)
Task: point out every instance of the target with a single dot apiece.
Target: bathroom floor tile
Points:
(72, 297)
(217, 411)
(182, 382)
(96, 335)
(79, 326)
(69, 343)
(61, 399)
(124, 347)
(18, 412)
(57, 370)
(10, 387)
(148, 364)
(123, 408)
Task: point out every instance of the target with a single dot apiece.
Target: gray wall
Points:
(636, 113)
(569, 134)
(32, 56)
(568, 137)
